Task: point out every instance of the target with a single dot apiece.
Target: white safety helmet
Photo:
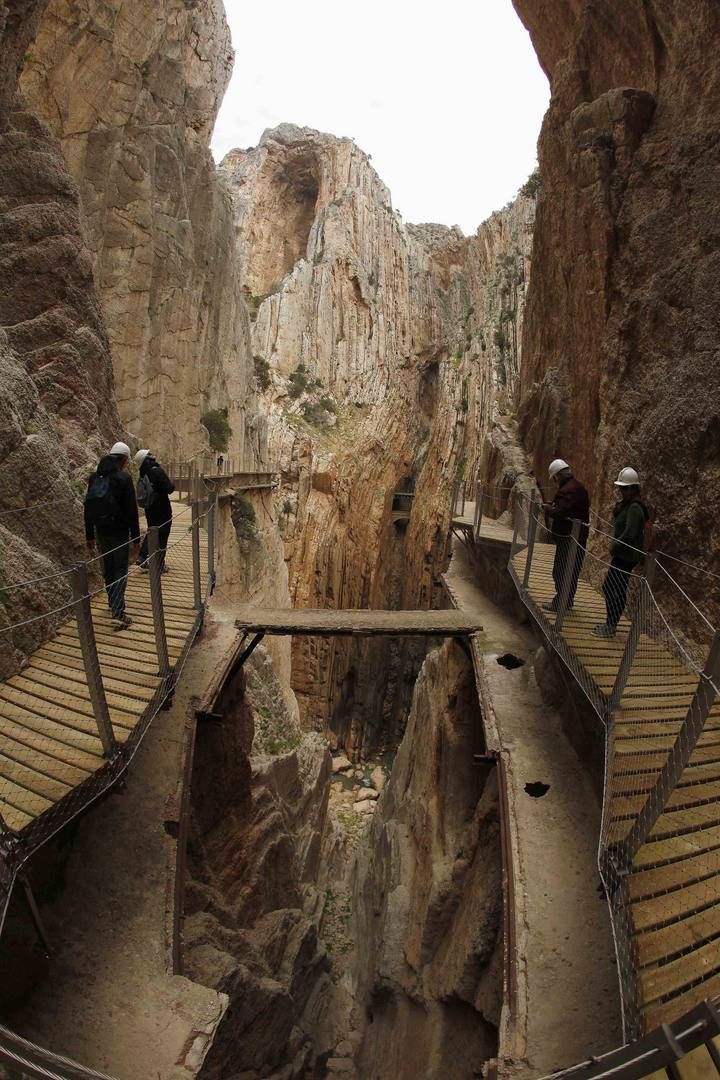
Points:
(627, 478)
(120, 449)
(140, 457)
(557, 466)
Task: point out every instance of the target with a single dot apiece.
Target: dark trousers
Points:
(163, 537)
(115, 552)
(564, 547)
(615, 589)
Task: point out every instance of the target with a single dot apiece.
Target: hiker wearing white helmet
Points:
(626, 550)
(571, 503)
(153, 495)
(111, 519)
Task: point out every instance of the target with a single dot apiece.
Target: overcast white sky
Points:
(447, 96)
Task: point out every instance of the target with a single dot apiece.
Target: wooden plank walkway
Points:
(355, 621)
(49, 742)
(674, 886)
(490, 529)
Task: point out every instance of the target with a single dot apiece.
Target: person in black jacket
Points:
(158, 511)
(111, 519)
(571, 503)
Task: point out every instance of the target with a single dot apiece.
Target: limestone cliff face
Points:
(56, 392)
(622, 340)
(132, 91)
(258, 859)
(375, 346)
(427, 904)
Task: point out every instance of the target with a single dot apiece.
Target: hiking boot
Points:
(603, 630)
(121, 623)
(553, 605)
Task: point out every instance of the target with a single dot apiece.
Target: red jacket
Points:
(571, 503)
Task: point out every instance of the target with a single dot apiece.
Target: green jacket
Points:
(630, 518)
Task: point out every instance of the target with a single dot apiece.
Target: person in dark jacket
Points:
(626, 549)
(159, 511)
(111, 521)
(571, 503)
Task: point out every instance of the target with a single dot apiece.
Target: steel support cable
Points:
(137, 570)
(685, 595)
(35, 581)
(37, 618)
(664, 554)
(36, 506)
(694, 664)
(95, 558)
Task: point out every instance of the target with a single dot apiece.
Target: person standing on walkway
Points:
(111, 520)
(626, 549)
(571, 503)
(153, 494)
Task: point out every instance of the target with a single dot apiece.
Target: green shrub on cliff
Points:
(532, 185)
(262, 372)
(218, 428)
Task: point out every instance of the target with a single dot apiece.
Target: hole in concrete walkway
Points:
(508, 660)
(537, 789)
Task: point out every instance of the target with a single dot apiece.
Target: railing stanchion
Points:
(633, 638)
(88, 646)
(685, 742)
(156, 600)
(573, 549)
(532, 530)
(195, 527)
(479, 501)
(211, 543)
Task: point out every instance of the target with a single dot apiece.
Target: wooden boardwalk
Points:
(673, 889)
(355, 621)
(50, 750)
(490, 529)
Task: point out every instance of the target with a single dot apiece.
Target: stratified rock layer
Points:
(622, 338)
(386, 354)
(132, 91)
(56, 393)
(428, 898)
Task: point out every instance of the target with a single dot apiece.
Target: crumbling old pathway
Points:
(567, 999)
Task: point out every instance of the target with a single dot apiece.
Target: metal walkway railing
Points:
(74, 715)
(653, 685)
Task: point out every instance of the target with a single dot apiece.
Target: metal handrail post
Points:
(532, 530)
(195, 528)
(685, 742)
(479, 505)
(88, 646)
(633, 638)
(211, 541)
(573, 548)
(156, 600)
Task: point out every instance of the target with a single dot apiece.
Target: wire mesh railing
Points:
(652, 679)
(73, 715)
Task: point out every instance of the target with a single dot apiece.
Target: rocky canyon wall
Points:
(427, 907)
(385, 354)
(621, 342)
(56, 390)
(132, 92)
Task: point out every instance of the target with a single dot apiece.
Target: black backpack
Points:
(101, 503)
(145, 493)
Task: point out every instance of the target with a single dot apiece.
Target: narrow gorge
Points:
(344, 853)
